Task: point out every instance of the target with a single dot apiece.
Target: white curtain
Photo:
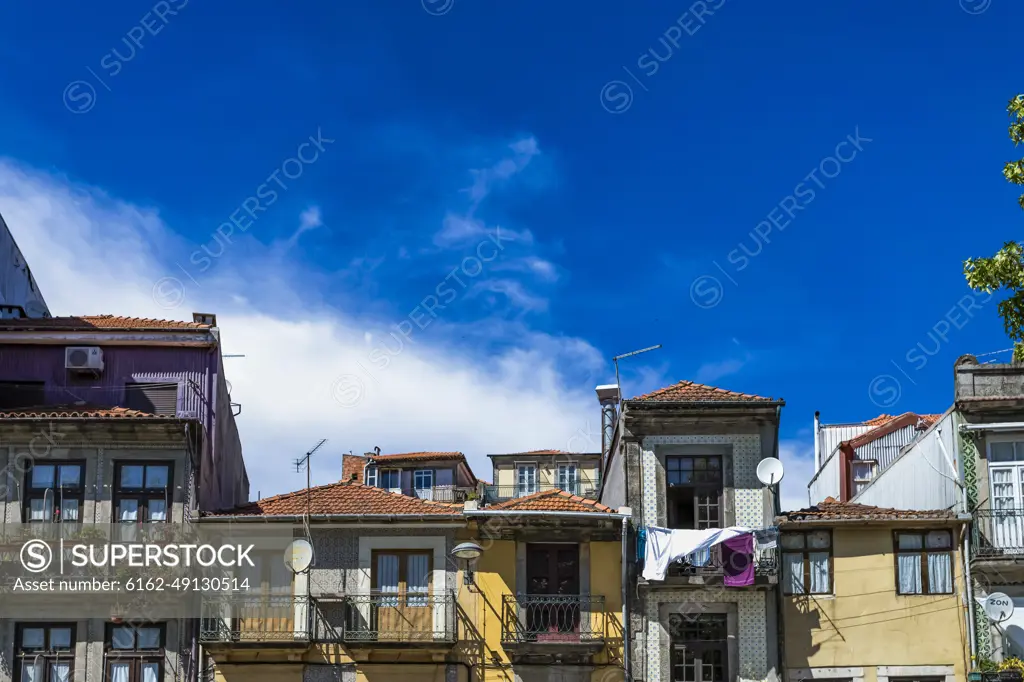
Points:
(910, 573)
(387, 578)
(418, 579)
(157, 510)
(29, 672)
(150, 672)
(119, 672)
(940, 574)
(819, 573)
(793, 573)
(129, 510)
(60, 671)
(42, 509)
(69, 511)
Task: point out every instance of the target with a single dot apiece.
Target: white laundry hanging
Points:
(665, 545)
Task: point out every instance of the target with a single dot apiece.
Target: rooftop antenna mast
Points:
(616, 359)
(305, 462)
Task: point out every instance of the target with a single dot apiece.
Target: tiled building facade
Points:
(691, 425)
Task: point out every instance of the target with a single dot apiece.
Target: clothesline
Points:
(662, 546)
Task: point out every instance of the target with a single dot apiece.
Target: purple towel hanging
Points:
(738, 560)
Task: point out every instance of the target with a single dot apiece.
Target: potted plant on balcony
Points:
(1011, 670)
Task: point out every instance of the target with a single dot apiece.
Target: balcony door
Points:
(553, 583)
(1006, 483)
(401, 583)
(700, 647)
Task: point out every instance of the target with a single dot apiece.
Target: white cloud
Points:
(484, 179)
(798, 458)
(710, 372)
(543, 269)
(92, 253)
(310, 219)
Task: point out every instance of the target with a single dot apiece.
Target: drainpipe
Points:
(966, 550)
(627, 659)
(777, 508)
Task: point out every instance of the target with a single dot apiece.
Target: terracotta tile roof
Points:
(417, 456)
(552, 500)
(97, 322)
(352, 467)
(689, 391)
(79, 412)
(888, 424)
(341, 498)
(547, 452)
(831, 509)
(883, 418)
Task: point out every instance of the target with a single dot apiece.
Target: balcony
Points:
(710, 565)
(399, 620)
(998, 534)
(539, 627)
(504, 493)
(284, 620)
(437, 493)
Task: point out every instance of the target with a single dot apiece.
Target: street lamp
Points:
(468, 552)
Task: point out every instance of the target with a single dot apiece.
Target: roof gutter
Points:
(959, 518)
(999, 426)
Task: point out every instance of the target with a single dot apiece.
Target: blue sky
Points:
(781, 194)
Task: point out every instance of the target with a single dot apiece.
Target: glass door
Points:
(1006, 490)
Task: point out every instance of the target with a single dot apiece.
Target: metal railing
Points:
(399, 618)
(437, 493)
(553, 618)
(710, 563)
(504, 493)
(996, 533)
(266, 618)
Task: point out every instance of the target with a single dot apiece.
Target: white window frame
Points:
(398, 472)
(423, 492)
(572, 486)
(867, 481)
(370, 475)
(526, 488)
(1015, 466)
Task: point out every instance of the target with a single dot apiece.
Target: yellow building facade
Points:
(873, 595)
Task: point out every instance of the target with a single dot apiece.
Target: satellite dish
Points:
(299, 555)
(998, 607)
(770, 471)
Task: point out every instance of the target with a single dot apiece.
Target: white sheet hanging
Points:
(665, 545)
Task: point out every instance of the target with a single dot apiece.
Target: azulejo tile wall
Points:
(751, 631)
(746, 453)
(751, 605)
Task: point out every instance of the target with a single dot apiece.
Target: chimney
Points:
(608, 396)
(817, 453)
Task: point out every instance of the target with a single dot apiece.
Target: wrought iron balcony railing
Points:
(266, 618)
(998, 533)
(553, 618)
(504, 493)
(437, 493)
(399, 618)
(710, 563)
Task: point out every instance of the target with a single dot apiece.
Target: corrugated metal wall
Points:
(17, 286)
(127, 364)
(886, 449)
(826, 482)
(921, 478)
(831, 435)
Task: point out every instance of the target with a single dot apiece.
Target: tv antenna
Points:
(616, 359)
(305, 463)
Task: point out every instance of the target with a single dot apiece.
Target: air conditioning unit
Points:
(83, 358)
